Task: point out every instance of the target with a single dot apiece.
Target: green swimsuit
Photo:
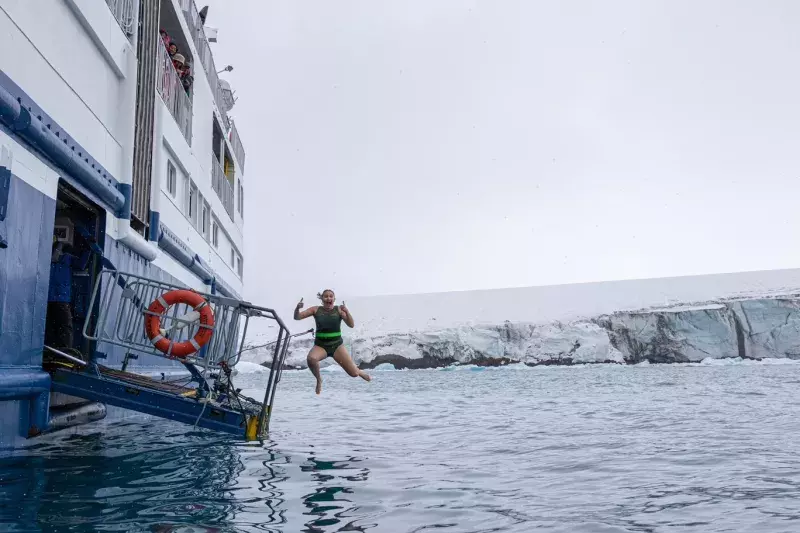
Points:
(329, 329)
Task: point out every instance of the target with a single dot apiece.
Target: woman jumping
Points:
(328, 339)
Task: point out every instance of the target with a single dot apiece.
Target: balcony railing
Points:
(219, 99)
(221, 185)
(169, 85)
(236, 143)
(206, 58)
(125, 13)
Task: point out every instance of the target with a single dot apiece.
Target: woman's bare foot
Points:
(319, 386)
(364, 375)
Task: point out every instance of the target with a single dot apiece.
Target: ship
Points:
(122, 182)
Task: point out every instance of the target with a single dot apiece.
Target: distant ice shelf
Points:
(741, 328)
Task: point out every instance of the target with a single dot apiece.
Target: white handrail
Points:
(222, 186)
(206, 58)
(125, 14)
(236, 143)
(170, 87)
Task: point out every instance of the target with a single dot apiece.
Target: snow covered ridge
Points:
(744, 328)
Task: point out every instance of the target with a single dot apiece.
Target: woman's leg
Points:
(316, 355)
(342, 356)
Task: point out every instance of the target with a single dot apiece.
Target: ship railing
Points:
(222, 185)
(125, 13)
(121, 301)
(226, 121)
(206, 58)
(236, 143)
(170, 87)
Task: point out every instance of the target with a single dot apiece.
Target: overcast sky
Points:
(418, 145)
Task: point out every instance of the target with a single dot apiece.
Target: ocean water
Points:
(606, 449)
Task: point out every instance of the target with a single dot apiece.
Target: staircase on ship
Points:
(131, 314)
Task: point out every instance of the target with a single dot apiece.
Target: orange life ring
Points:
(152, 323)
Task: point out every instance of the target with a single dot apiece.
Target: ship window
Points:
(204, 219)
(230, 171)
(185, 193)
(197, 219)
(233, 257)
(239, 265)
(190, 191)
(172, 178)
(215, 233)
(192, 204)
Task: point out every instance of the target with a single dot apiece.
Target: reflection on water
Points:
(155, 476)
(602, 449)
(330, 505)
(130, 475)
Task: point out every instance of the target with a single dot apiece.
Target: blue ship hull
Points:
(24, 282)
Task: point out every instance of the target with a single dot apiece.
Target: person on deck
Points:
(58, 329)
(186, 77)
(178, 62)
(328, 339)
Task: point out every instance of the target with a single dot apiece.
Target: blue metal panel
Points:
(31, 385)
(155, 226)
(25, 274)
(21, 383)
(5, 186)
(170, 243)
(144, 400)
(24, 279)
(125, 210)
(11, 412)
(202, 270)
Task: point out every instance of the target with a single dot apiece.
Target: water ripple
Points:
(600, 450)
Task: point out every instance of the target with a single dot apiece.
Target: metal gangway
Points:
(131, 316)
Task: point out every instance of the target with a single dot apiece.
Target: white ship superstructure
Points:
(116, 144)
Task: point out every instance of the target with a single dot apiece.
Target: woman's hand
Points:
(344, 312)
(297, 314)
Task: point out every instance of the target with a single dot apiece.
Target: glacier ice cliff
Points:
(749, 329)
(755, 328)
